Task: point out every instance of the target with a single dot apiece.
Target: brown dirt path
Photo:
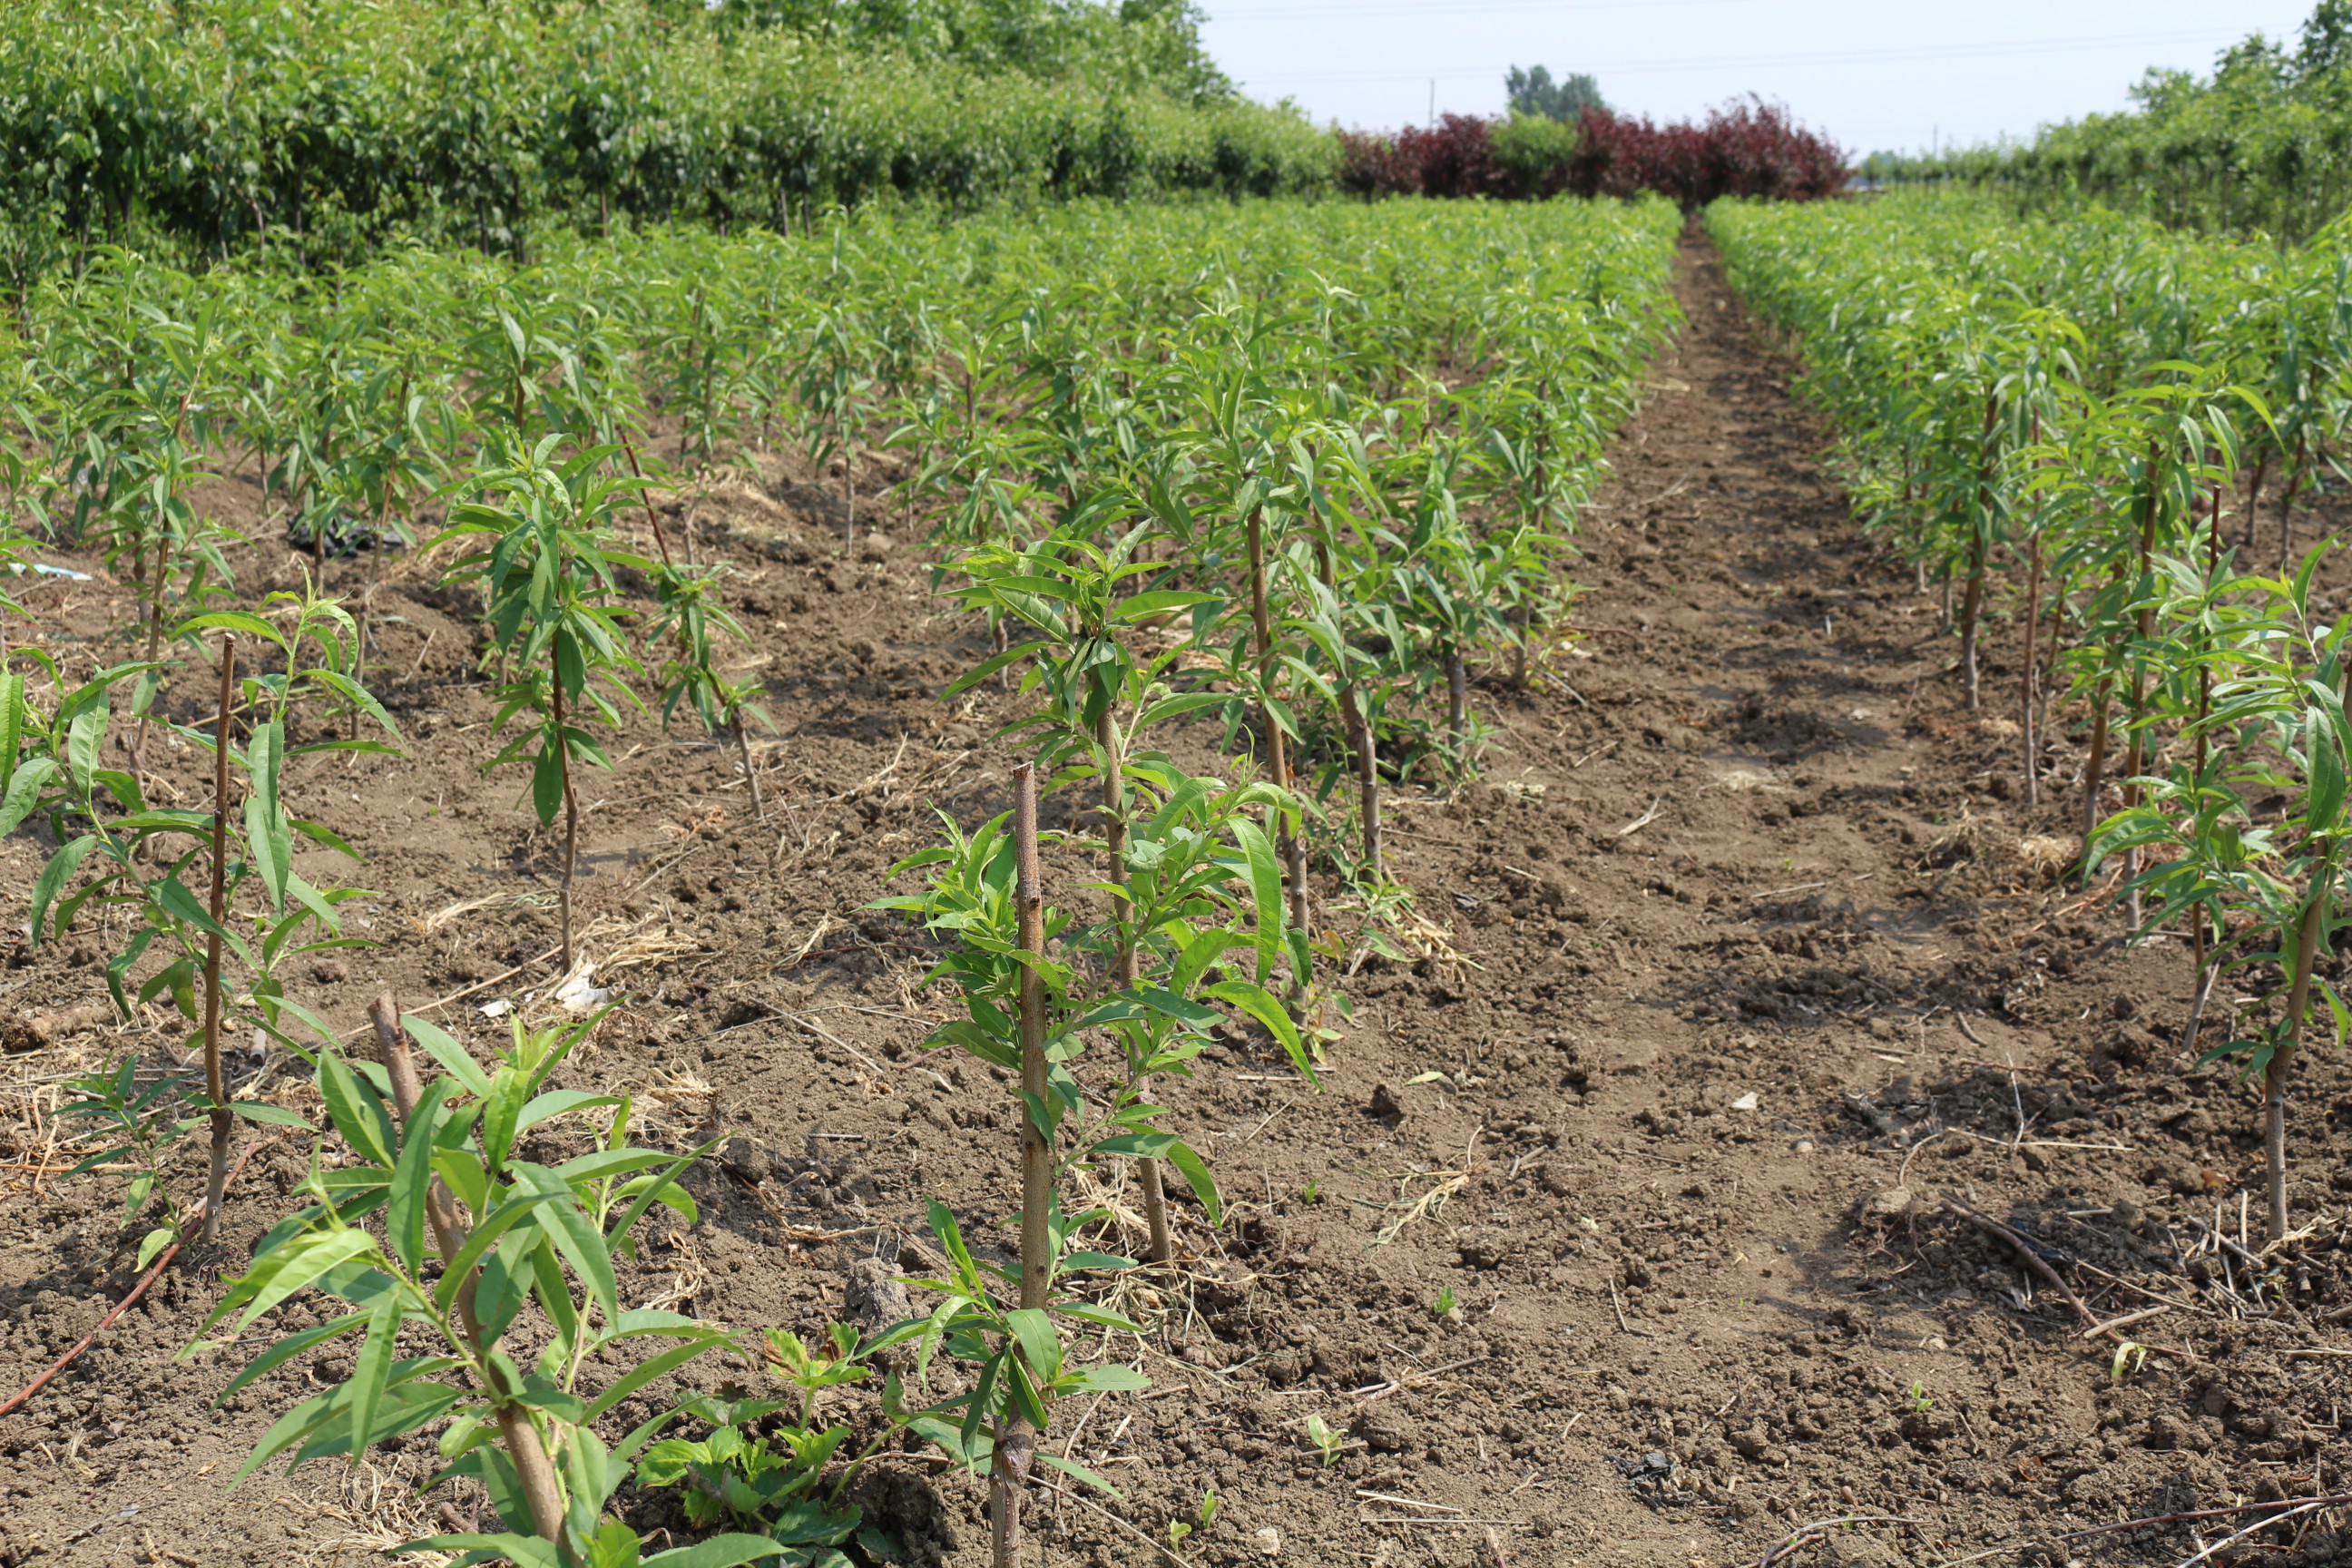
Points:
(1743, 908)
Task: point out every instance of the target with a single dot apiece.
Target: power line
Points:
(1858, 56)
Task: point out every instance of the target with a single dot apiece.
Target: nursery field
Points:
(1504, 1072)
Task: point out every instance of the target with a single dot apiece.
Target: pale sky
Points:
(1870, 76)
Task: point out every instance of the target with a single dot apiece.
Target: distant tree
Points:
(1533, 92)
(2326, 45)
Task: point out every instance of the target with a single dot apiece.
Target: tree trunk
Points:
(1367, 776)
(155, 634)
(1457, 704)
(2202, 983)
(1016, 1438)
(216, 1084)
(1979, 550)
(2029, 696)
(2255, 495)
(1113, 809)
(2095, 770)
(1971, 604)
(533, 1470)
(751, 772)
(1277, 755)
(2282, 1060)
(2145, 631)
(570, 818)
(2286, 507)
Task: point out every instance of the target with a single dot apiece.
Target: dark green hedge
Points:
(335, 127)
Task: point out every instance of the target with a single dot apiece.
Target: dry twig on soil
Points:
(1789, 1542)
(153, 1273)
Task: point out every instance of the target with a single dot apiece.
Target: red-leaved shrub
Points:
(1741, 149)
(1745, 148)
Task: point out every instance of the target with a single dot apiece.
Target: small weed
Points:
(1312, 1192)
(141, 1126)
(1446, 1304)
(2130, 1356)
(1177, 1529)
(1920, 1399)
(1327, 1442)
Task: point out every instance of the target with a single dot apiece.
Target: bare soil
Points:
(1746, 908)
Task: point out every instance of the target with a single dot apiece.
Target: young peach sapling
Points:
(103, 816)
(988, 890)
(2278, 713)
(472, 1236)
(550, 582)
(689, 614)
(1164, 832)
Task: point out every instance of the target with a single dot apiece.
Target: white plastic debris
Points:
(44, 569)
(1745, 1103)
(496, 1009)
(578, 993)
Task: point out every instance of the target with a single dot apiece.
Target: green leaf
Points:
(289, 1429)
(990, 666)
(267, 1114)
(615, 1545)
(289, 1347)
(1079, 1472)
(1041, 1343)
(325, 835)
(573, 1233)
(547, 783)
(1081, 1260)
(523, 1551)
(244, 623)
(372, 1366)
(559, 1102)
(85, 734)
(1259, 1004)
(175, 898)
(1139, 1145)
(454, 1058)
(154, 1242)
(652, 1368)
(24, 790)
(478, 1242)
(412, 1179)
(1196, 1172)
(54, 877)
(267, 839)
(1266, 888)
(11, 726)
(297, 1264)
(717, 1552)
(659, 1186)
(605, 1163)
(357, 1112)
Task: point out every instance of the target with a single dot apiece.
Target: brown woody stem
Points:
(570, 815)
(217, 1182)
(534, 1471)
(1016, 1438)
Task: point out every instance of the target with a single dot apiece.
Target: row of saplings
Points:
(445, 1248)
